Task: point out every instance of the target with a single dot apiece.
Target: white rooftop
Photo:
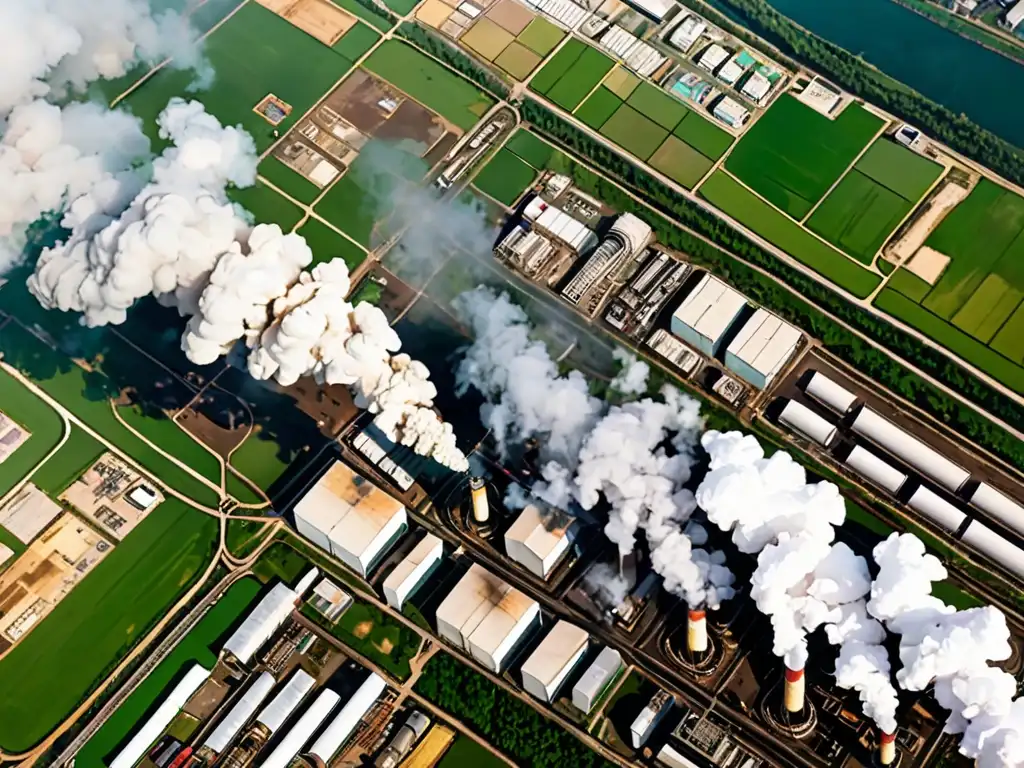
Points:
(536, 539)
(765, 343)
(710, 307)
(555, 651)
(262, 622)
(657, 9)
(713, 56)
(757, 86)
(686, 34)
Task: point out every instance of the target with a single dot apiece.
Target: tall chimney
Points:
(697, 632)
(887, 749)
(478, 493)
(793, 694)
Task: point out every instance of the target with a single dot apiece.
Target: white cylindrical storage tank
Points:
(910, 450)
(336, 734)
(936, 509)
(994, 546)
(301, 732)
(878, 471)
(802, 419)
(998, 505)
(821, 388)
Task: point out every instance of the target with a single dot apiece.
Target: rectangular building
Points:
(706, 314)
(686, 34)
(649, 718)
(731, 112)
(347, 515)
(554, 659)
(538, 541)
(29, 513)
(559, 225)
(414, 569)
(595, 681)
(1015, 15)
(486, 617)
(713, 57)
(762, 348)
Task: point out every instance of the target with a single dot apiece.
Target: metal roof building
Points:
(1015, 15)
(552, 661)
(880, 472)
(802, 419)
(347, 515)
(762, 348)
(642, 728)
(655, 9)
(287, 700)
(757, 87)
(595, 681)
(713, 57)
(559, 225)
(936, 509)
(240, 713)
(344, 723)
(627, 237)
(409, 574)
(485, 616)
(731, 112)
(159, 720)
(265, 619)
(821, 388)
(539, 541)
(707, 313)
(910, 450)
(998, 505)
(686, 33)
(994, 546)
(302, 731)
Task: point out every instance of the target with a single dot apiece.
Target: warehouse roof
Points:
(538, 531)
(304, 728)
(416, 563)
(261, 623)
(559, 224)
(765, 343)
(556, 650)
(710, 307)
(483, 608)
(240, 713)
(274, 715)
(345, 722)
(656, 9)
(349, 507)
(713, 56)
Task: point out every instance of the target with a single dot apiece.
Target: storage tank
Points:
(821, 388)
(802, 419)
(878, 471)
(1001, 507)
(994, 546)
(936, 509)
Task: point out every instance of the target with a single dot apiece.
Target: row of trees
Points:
(378, 10)
(511, 725)
(801, 312)
(455, 59)
(858, 77)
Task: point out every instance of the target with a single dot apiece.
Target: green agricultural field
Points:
(327, 244)
(621, 82)
(46, 427)
(858, 216)
(679, 161)
(199, 646)
(897, 168)
(356, 42)
(464, 752)
(518, 60)
(260, 460)
(703, 135)
(291, 182)
(560, 63)
(133, 587)
(374, 634)
(598, 107)
(358, 9)
(909, 284)
(401, 7)
(530, 148)
(430, 83)
(486, 38)
(654, 104)
(541, 36)
(1009, 340)
(267, 206)
(733, 199)
(586, 72)
(255, 53)
(504, 177)
(988, 308)
(634, 132)
(792, 155)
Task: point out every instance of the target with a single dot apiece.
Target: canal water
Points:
(949, 69)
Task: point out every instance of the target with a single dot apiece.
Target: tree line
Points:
(767, 292)
(511, 725)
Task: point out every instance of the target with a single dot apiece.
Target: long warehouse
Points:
(344, 723)
(539, 541)
(875, 469)
(990, 543)
(239, 714)
(414, 569)
(821, 388)
(802, 419)
(287, 700)
(302, 731)
(936, 509)
(1001, 507)
(554, 659)
(265, 619)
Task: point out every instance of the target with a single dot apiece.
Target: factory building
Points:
(414, 569)
(554, 659)
(411, 731)
(390, 459)
(538, 540)
(910, 450)
(347, 515)
(344, 723)
(266, 618)
(287, 700)
(713, 57)
(1015, 15)
(802, 419)
(302, 731)
(731, 112)
(652, 9)
(628, 236)
(762, 348)
(706, 314)
(526, 248)
(757, 87)
(595, 681)
(673, 350)
(486, 617)
(875, 469)
(650, 717)
(636, 306)
(161, 718)
(236, 718)
(627, 47)
(558, 225)
(687, 33)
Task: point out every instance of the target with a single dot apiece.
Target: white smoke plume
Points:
(606, 585)
(52, 47)
(632, 378)
(950, 650)
(182, 241)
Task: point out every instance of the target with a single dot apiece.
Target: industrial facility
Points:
(761, 349)
(706, 315)
(413, 570)
(539, 539)
(553, 660)
(346, 515)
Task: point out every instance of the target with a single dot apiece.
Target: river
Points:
(945, 67)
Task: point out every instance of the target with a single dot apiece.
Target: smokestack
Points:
(887, 749)
(628, 565)
(697, 632)
(793, 694)
(478, 493)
